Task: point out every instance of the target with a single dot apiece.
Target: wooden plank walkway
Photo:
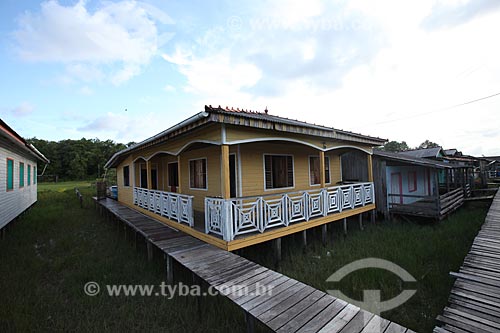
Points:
(474, 303)
(292, 306)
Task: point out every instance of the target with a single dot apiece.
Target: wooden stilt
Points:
(360, 218)
(324, 235)
(333, 233)
(372, 216)
(169, 269)
(277, 250)
(304, 239)
(345, 226)
(150, 251)
(250, 322)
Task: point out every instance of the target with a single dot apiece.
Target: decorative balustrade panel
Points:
(232, 217)
(175, 206)
(214, 213)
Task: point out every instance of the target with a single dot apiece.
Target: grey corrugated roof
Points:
(413, 160)
(423, 153)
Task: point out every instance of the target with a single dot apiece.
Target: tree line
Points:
(77, 159)
(396, 146)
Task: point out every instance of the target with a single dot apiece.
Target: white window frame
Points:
(264, 172)
(206, 174)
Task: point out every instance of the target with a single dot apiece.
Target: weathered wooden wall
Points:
(355, 166)
(380, 183)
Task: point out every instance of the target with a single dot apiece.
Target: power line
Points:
(439, 110)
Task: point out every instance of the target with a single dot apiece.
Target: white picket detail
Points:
(174, 206)
(237, 216)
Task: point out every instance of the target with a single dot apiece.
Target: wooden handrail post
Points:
(322, 176)
(225, 185)
(370, 168)
(179, 188)
(148, 177)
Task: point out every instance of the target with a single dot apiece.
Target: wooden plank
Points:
(282, 318)
(307, 314)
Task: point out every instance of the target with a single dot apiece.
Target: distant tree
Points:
(395, 146)
(428, 144)
(77, 159)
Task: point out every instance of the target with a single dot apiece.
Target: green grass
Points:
(55, 248)
(62, 186)
(427, 251)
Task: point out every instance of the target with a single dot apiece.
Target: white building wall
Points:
(13, 203)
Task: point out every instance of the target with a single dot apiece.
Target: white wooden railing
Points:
(174, 206)
(237, 216)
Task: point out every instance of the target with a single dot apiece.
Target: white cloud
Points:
(125, 34)
(85, 90)
(392, 81)
(169, 88)
(23, 109)
(123, 127)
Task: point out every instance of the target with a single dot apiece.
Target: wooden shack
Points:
(408, 185)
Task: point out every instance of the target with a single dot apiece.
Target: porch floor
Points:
(291, 304)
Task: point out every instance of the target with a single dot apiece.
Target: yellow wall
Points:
(252, 166)
(239, 133)
(212, 154)
(210, 133)
(125, 193)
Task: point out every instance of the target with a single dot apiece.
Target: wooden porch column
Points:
(370, 168)
(436, 179)
(134, 184)
(179, 188)
(447, 180)
(225, 185)
(322, 177)
(148, 170)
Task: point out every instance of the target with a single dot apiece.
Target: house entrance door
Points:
(396, 188)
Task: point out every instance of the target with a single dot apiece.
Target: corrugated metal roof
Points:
(423, 153)
(414, 160)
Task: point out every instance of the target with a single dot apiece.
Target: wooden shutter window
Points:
(327, 170)
(290, 171)
(268, 171)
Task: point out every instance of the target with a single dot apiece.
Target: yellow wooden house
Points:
(234, 178)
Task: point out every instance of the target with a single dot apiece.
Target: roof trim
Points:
(20, 142)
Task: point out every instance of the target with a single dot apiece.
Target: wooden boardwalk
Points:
(291, 306)
(474, 303)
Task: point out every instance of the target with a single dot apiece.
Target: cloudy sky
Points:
(125, 70)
